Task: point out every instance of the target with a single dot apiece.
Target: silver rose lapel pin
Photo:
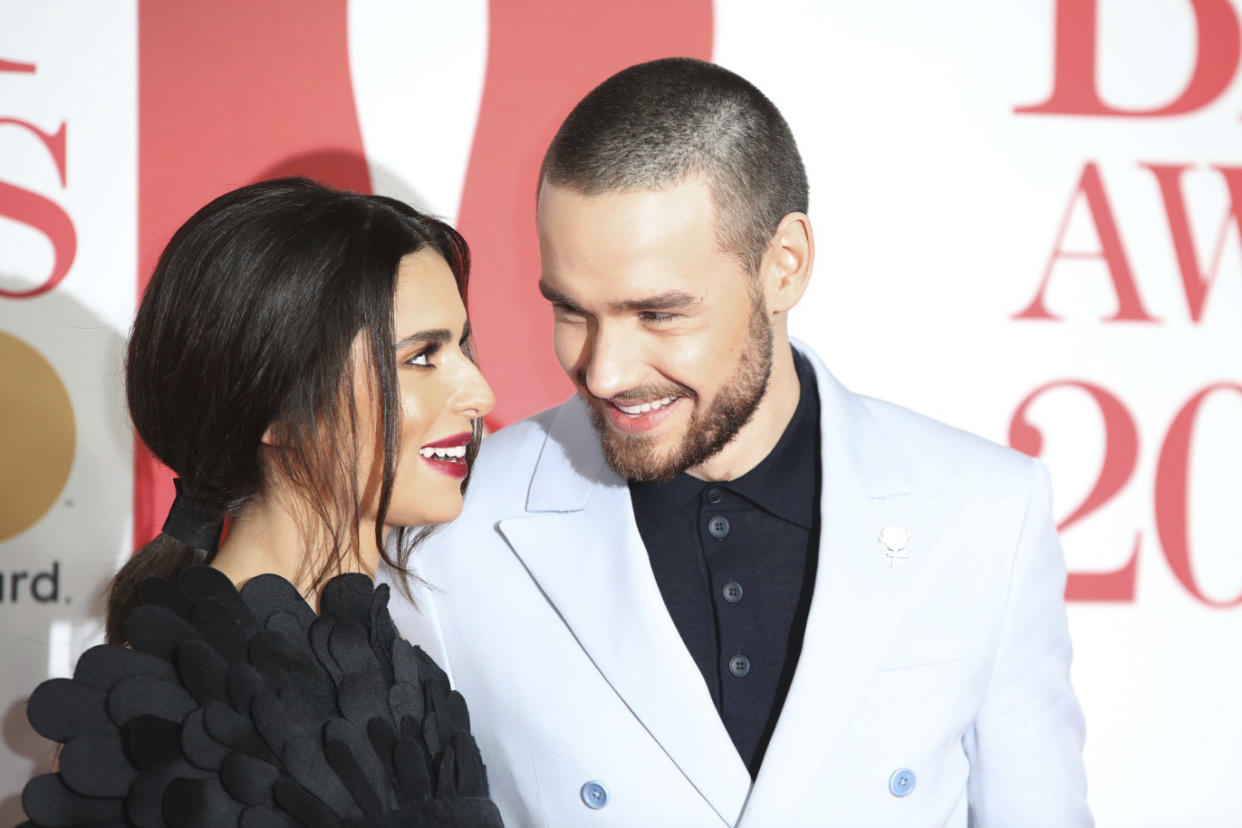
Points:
(895, 540)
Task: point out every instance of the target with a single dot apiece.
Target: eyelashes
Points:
(422, 359)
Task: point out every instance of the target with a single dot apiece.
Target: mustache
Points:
(651, 392)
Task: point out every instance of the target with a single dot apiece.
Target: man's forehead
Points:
(689, 195)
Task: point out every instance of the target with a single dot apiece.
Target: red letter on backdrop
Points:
(1129, 306)
(1195, 282)
(1120, 456)
(1173, 492)
(14, 66)
(1074, 90)
(41, 213)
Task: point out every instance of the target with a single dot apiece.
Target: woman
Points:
(301, 361)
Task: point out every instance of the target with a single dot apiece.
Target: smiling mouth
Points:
(644, 408)
(448, 456)
(641, 417)
(452, 454)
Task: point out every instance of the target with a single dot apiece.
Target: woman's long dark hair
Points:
(246, 329)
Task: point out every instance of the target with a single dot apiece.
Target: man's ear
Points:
(786, 266)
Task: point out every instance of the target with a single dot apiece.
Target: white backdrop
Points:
(938, 210)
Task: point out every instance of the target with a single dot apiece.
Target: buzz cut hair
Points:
(657, 124)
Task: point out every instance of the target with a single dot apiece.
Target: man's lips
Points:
(637, 421)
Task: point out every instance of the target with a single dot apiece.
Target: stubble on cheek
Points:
(639, 458)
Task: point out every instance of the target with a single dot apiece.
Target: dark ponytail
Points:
(164, 557)
(247, 326)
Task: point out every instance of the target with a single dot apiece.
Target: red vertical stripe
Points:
(231, 92)
(543, 56)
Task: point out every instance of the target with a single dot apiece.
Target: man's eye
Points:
(657, 316)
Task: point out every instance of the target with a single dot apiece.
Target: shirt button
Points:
(595, 795)
(902, 782)
(732, 592)
(714, 495)
(718, 526)
(739, 665)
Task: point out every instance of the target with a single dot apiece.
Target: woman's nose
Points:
(475, 399)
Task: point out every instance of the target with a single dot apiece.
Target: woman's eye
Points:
(421, 359)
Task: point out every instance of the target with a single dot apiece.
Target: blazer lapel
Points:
(860, 596)
(579, 541)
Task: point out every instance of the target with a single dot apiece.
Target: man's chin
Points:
(638, 457)
(641, 469)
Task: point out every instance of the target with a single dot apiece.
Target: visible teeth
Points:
(453, 453)
(643, 408)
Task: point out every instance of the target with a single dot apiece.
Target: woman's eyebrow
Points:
(436, 335)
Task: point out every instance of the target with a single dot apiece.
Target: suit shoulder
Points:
(951, 457)
(507, 460)
(523, 437)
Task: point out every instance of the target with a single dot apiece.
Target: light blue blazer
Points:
(933, 687)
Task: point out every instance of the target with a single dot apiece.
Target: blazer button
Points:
(902, 782)
(595, 795)
(732, 592)
(739, 665)
(718, 526)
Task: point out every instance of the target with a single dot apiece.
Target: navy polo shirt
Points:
(735, 562)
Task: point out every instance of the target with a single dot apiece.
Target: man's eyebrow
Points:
(435, 335)
(667, 301)
(553, 295)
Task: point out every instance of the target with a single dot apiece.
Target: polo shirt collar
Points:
(783, 483)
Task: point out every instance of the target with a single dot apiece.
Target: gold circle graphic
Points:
(37, 436)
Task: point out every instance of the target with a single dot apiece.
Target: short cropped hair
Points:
(656, 124)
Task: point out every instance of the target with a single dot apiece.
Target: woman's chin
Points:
(427, 515)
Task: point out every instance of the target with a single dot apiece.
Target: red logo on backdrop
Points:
(285, 106)
(1076, 93)
(36, 211)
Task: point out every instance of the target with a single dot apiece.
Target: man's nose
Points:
(614, 363)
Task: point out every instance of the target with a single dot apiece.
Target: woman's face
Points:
(440, 394)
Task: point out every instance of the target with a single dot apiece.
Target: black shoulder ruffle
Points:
(248, 709)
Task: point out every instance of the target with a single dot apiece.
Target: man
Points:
(715, 587)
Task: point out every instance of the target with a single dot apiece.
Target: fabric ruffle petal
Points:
(246, 708)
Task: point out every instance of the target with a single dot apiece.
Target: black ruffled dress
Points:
(247, 709)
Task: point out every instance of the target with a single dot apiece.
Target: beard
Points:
(637, 458)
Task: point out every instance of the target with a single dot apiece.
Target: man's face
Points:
(657, 327)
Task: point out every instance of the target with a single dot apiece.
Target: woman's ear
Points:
(786, 267)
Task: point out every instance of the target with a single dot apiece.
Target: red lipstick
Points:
(452, 442)
(453, 466)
